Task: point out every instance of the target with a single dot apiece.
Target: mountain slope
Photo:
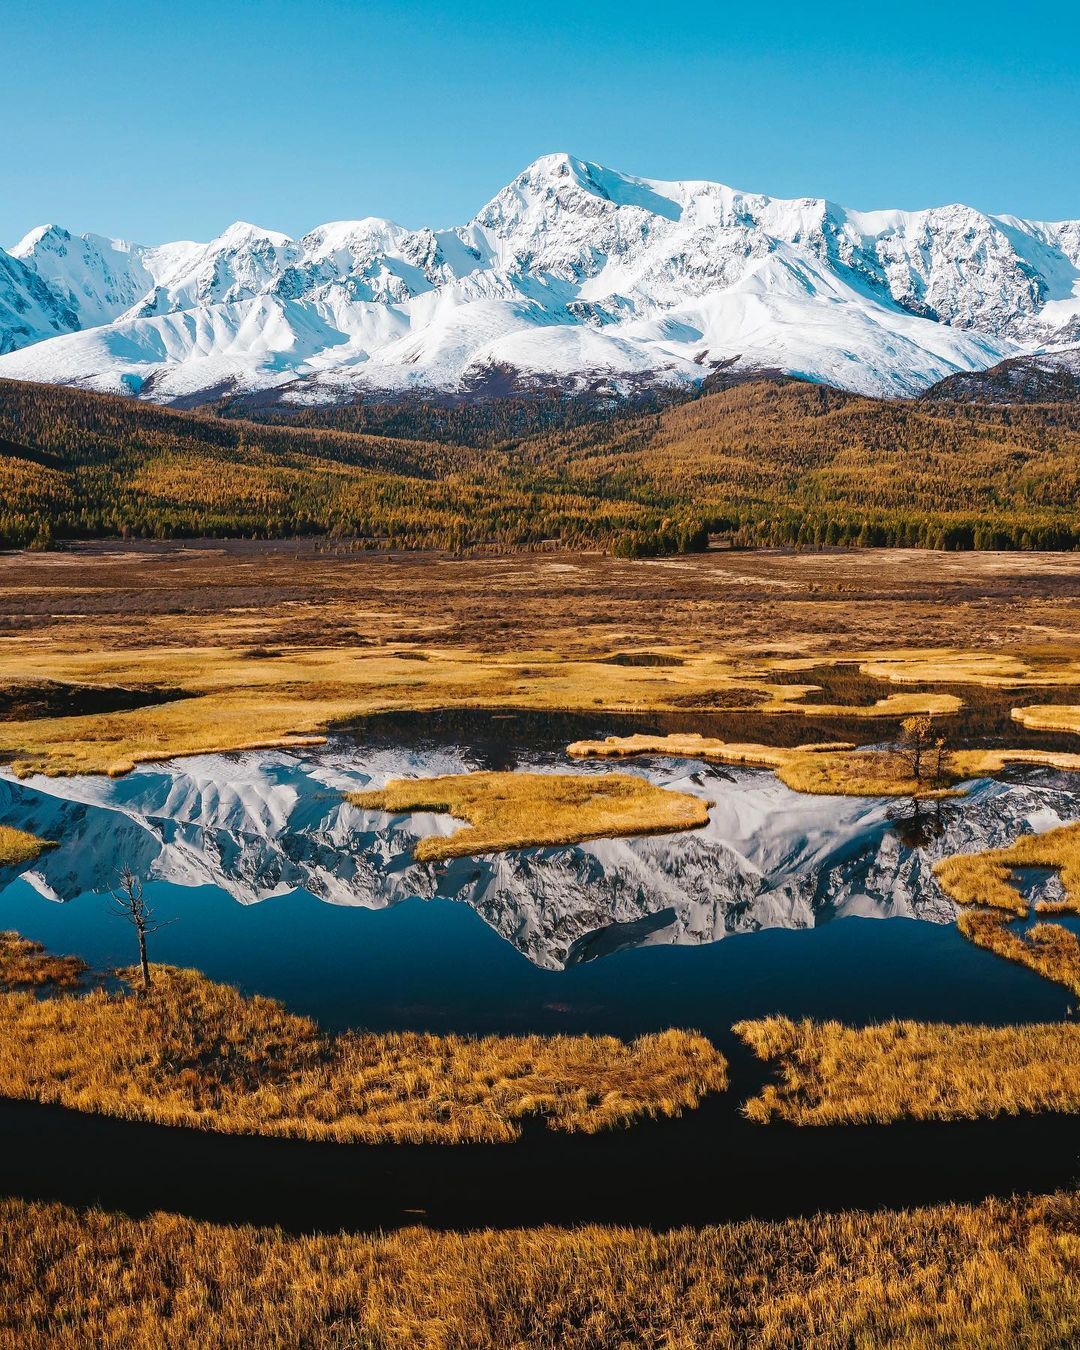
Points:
(760, 463)
(571, 275)
(1047, 377)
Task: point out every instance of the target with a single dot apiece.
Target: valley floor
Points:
(314, 592)
(111, 653)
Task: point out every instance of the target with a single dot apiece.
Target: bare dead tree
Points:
(131, 905)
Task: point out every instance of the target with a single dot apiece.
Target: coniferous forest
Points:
(768, 463)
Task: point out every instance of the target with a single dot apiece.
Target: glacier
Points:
(573, 276)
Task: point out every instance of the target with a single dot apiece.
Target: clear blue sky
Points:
(160, 121)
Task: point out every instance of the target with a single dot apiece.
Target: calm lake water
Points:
(278, 886)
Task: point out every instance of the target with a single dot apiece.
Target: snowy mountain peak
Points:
(572, 273)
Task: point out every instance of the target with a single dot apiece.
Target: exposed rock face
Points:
(258, 825)
(1049, 377)
(572, 273)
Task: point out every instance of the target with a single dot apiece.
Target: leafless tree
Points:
(131, 905)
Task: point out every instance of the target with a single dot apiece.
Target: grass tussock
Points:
(17, 848)
(1049, 717)
(192, 1052)
(992, 670)
(832, 768)
(1003, 1272)
(1049, 949)
(987, 878)
(892, 705)
(524, 810)
(830, 1074)
(985, 883)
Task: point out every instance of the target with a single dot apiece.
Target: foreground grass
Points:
(17, 848)
(523, 810)
(195, 1053)
(27, 965)
(997, 1273)
(831, 1074)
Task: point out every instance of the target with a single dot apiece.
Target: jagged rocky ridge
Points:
(572, 275)
(265, 824)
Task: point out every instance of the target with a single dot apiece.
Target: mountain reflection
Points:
(263, 824)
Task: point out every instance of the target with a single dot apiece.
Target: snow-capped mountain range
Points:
(573, 274)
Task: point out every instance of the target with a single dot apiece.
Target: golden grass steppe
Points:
(525, 810)
(830, 1074)
(999, 1273)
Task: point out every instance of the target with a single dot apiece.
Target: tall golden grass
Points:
(1049, 949)
(18, 848)
(522, 810)
(986, 878)
(830, 1074)
(192, 1052)
(999, 1273)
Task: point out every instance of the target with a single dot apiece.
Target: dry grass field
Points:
(1000, 1273)
(274, 643)
(523, 810)
(195, 1053)
(831, 1074)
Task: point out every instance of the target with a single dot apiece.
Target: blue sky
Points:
(161, 121)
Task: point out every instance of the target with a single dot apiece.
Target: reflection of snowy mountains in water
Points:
(265, 824)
